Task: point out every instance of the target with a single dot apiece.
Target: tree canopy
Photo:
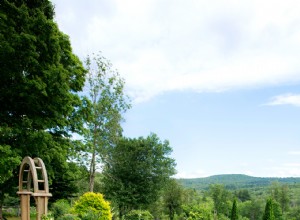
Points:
(40, 76)
(136, 171)
(107, 102)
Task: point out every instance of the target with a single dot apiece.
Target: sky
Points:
(219, 79)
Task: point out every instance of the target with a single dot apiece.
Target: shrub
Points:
(47, 217)
(68, 217)
(138, 215)
(60, 208)
(92, 205)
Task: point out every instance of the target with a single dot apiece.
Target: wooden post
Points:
(25, 204)
(41, 201)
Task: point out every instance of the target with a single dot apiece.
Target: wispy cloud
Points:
(193, 174)
(161, 46)
(285, 99)
(285, 170)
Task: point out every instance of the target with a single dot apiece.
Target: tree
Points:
(39, 79)
(136, 170)
(139, 215)
(243, 195)
(199, 210)
(108, 102)
(173, 197)
(220, 196)
(269, 212)
(234, 211)
(280, 193)
(8, 160)
(252, 209)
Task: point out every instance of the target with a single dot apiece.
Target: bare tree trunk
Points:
(93, 161)
(92, 171)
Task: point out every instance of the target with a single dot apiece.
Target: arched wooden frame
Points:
(33, 181)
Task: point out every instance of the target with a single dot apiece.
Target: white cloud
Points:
(161, 46)
(192, 174)
(285, 99)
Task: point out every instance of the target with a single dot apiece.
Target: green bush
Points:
(60, 208)
(47, 217)
(68, 217)
(92, 206)
(139, 215)
(9, 213)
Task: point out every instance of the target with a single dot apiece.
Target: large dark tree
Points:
(39, 79)
(136, 171)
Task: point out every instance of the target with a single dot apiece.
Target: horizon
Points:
(239, 174)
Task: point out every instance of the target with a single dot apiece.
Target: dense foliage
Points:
(39, 79)
(138, 215)
(136, 171)
(93, 204)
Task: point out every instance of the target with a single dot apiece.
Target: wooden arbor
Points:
(33, 181)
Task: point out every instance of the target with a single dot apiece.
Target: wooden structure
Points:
(33, 181)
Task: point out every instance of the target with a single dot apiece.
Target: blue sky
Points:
(219, 80)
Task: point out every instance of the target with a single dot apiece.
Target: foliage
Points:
(68, 217)
(280, 193)
(107, 103)
(294, 213)
(243, 195)
(8, 159)
(47, 217)
(221, 198)
(39, 79)
(252, 209)
(92, 204)
(67, 185)
(138, 215)
(173, 198)
(60, 208)
(196, 206)
(234, 211)
(269, 211)
(136, 171)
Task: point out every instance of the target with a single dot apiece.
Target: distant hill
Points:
(235, 181)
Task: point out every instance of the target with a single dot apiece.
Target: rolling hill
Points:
(235, 181)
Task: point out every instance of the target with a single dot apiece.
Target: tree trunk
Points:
(92, 171)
